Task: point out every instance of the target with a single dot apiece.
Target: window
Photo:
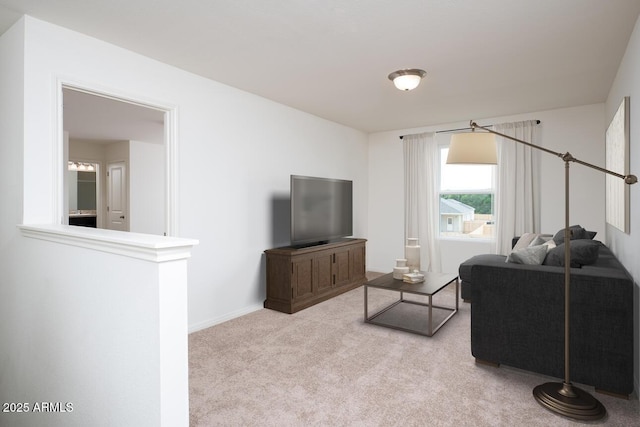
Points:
(466, 198)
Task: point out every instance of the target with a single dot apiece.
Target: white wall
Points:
(579, 130)
(627, 246)
(147, 187)
(235, 154)
(86, 335)
(11, 178)
(11, 148)
(12, 301)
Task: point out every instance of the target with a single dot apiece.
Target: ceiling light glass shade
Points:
(472, 148)
(407, 79)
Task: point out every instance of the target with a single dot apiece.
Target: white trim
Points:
(171, 159)
(146, 247)
(229, 316)
(59, 166)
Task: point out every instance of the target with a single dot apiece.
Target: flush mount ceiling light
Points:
(407, 79)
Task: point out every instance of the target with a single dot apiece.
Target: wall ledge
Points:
(146, 247)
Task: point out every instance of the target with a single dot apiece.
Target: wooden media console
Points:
(298, 278)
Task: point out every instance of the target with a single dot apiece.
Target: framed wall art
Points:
(617, 158)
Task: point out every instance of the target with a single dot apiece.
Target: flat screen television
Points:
(321, 210)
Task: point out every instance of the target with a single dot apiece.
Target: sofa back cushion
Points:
(582, 251)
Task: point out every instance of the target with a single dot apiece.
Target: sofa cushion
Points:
(583, 252)
(533, 255)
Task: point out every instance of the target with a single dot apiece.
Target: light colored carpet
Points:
(324, 366)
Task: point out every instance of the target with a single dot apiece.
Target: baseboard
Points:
(229, 316)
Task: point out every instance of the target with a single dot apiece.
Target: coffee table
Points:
(409, 315)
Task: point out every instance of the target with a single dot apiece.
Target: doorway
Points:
(106, 130)
(117, 189)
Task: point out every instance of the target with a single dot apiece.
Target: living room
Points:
(236, 153)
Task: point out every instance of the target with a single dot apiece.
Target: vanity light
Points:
(79, 166)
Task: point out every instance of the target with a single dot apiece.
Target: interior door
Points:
(117, 208)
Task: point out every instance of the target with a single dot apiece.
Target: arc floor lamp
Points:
(561, 398)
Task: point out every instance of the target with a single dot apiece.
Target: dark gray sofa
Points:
(517, 318)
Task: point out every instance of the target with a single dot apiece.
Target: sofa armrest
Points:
(517, 319)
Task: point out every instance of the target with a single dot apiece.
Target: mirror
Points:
(83, 193)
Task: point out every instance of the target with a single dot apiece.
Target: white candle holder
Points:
(412, 254)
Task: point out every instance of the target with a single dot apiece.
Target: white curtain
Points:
(517, 200)
(422, 209)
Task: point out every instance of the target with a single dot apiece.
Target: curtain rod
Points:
(459, 129)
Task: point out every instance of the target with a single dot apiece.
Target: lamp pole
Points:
(563, 398)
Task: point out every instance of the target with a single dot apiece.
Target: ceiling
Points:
(98, 119)
(331, 58)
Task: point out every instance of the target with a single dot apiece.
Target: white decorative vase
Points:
(412, 254)
(400, 268)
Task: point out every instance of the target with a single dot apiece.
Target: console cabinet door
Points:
(302, 278)
(358, 261)
(323, 277)
(341, 268)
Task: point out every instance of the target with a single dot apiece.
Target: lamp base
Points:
(569, 401)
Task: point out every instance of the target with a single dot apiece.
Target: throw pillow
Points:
(577, 232)
(525, 240)
(533, 255)
(550, 244)
(583, 252)
(540, 240)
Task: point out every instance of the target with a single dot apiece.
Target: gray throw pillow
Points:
(577, 232)
(583, 252)
(533, 255)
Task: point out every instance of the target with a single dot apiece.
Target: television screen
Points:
(321, 209)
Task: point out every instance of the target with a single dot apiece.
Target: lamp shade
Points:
(407, 79)
(472, 148)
